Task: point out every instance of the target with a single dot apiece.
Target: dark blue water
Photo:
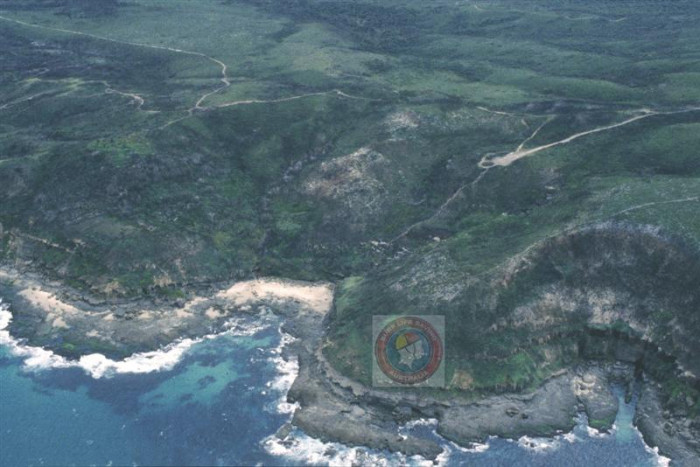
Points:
(221, 406)
(583, 446)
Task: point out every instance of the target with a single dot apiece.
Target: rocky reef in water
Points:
(607, 304)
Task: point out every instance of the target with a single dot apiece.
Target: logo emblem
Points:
(408, 350)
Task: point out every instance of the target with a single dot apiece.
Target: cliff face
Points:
(632, 282)
(611, 292)
(408, 151)
(604, 293)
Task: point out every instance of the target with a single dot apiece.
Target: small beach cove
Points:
(221, 399)
(222, 404)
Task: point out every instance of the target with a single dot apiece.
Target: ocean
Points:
(219, 401)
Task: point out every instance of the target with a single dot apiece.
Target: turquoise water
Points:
(212, 408)
(221, 405)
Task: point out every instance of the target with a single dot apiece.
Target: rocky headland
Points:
(332, 406)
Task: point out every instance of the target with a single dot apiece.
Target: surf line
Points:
(313, 297)
(97, 365)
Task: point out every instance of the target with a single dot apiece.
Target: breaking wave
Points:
(99, 366)
(287, 369)
(297, 446)
(301, 448)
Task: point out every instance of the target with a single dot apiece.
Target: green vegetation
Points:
(342, 141)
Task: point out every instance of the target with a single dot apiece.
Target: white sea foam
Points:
(287, 372)
(661, 461)
(425, 422)
(474, 449)
(538, 444)
(449, 446)
(302, 449)
(595, 433)
(99, 366)
(298, 446)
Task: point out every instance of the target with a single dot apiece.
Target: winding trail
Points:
(24, 99)
(519, 153)
(225, 80)
(496, 112)
(136, 99)
(656, 203)
(532, 136)
(199, 104)
(487, 163)
(336, 92)
(44, 241)
(471, 184)
(572, 228)
(439, 210)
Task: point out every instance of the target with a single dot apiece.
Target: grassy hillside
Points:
(153, 144)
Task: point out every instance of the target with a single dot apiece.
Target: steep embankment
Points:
(612, 277)
(610, 292)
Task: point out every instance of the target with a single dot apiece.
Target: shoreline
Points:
(319, 395)
(73, 324)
